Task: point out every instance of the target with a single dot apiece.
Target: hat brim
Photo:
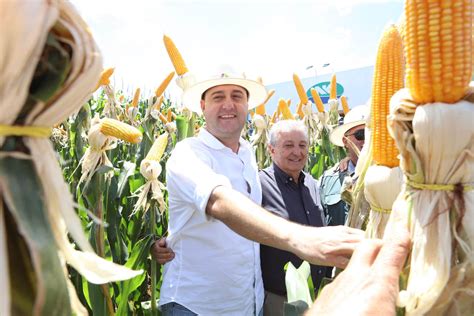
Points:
(192, 96)
(337, 134)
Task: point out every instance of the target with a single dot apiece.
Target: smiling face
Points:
(225, 109)
(290, 152)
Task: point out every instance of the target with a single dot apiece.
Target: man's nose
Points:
(228, 103)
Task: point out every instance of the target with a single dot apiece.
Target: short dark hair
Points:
(203, 95)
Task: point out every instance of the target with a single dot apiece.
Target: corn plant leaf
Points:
(181, 127)
(127, 171)
(137, 260)
(24, 199)
(296, 281)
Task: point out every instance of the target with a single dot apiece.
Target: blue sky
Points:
(268, 38)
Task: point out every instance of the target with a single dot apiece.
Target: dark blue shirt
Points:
(297, 202)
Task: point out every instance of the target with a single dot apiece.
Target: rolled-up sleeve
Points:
(190, 176)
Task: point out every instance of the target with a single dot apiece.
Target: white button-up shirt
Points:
(215, 271)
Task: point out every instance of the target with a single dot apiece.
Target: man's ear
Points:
(271, 149)
(202, 105)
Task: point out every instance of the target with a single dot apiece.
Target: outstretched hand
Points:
(369, 285)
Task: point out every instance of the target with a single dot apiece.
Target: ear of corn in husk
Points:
(383, 180)
(105, 77)
(162, 87)
(284, 110)
(437, 158)
(317, 100)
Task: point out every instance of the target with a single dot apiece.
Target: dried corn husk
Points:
(24, 27)
(437, 158)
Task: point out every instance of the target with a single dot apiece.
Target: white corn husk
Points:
(381, 187)
(311, 121)
(95, 155)
(185, 80)
(150, 170)
(261, 134)
(436, 148)
(20, 51)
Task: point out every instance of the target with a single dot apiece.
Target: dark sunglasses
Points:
(359, 134)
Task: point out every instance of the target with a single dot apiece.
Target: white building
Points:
(355, 84)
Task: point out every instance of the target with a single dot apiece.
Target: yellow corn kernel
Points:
(345, 106)
(285, 110)
(317, 100)
(438, 49)
(169, 116)
(162, 87)
(163, 118)
(333, 87)
(158, 147)
(274, 116)
(261, 108)
(175, 56)
(388, 79)
(288, 103)
(300, 89)
(120, 130)
(299, 110)
(157, 105)
(105, 77)
(136, 97)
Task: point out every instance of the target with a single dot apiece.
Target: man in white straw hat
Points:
(351, 136)
(214, 213)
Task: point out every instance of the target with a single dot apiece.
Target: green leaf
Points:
(137, 260)
(127, 171)
(25, 202)
(181, 127)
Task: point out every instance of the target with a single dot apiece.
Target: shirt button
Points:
(307, 212)
(291, 179)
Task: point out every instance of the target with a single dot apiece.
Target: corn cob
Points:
(388, 79)
(299, 109)
(275, 115)
(169, 115)
(333, 88)
(123, 131)
(136, 97)
(345, 106)
(300, 89)
(158, 147)
(288, 103)
(261, 108)
(162, 87)
(175, 56)
(317, 100)
(163, 118)
(284, 110)
(438, 50)
(105, 77)
(157, 105)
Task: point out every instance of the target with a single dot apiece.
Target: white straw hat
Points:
(356, 116)
(192, 95)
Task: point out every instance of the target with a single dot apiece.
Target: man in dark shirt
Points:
(288, 192)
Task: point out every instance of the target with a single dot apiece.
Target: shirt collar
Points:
(284, 176)
(211, 141)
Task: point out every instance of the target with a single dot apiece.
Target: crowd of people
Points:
(232, 228)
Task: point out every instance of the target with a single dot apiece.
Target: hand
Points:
(328, 246)
(344, 164)
(160, 253)
(369, 285)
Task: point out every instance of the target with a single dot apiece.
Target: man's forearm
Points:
(250, 220)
